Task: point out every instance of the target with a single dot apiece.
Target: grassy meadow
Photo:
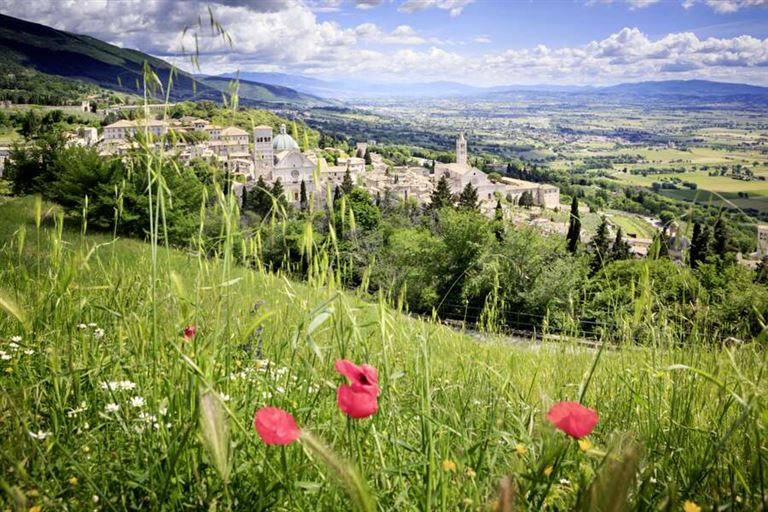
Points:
(101, 397)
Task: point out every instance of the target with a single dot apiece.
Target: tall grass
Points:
(452, 412)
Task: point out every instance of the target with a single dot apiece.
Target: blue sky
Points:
(481, 42)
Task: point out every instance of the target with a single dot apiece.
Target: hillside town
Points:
(272, 157)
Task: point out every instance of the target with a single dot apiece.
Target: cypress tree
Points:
(722, 238)
(368, 158)
(347, 185)
(278, 193)
(700, 245)
(761, 272)
(468, 198)
(574, 226)
(441, 196)
(600, 244)
(498, 219)
(620, 249)
(303, 201)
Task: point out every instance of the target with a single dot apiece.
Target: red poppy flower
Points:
(573, 418)
(189, 332)
(365, 374)
(275, 426)
(357, 401)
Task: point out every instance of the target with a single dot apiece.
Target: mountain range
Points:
(351, 89)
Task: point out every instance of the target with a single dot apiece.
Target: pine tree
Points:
(574, 226)
(336, 194)
(468, 198)
(367, 158)
(600, 245)
(620, 250)
(303, 201)
(257, 199)
(347, 185)
(498, 219)
(441, 196)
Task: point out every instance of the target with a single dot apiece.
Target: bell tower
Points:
(461, 150)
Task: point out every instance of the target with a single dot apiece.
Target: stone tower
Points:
(263, 156)
(461, 150)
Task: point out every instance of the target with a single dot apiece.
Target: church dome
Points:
(283, 141)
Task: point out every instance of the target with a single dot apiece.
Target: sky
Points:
(477, 42)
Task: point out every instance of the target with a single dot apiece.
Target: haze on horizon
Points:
(477, 42)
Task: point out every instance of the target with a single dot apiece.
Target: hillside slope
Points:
(94, 363)
(81, 57)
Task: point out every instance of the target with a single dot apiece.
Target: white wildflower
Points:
(139, 429)
(98, 333)
(565, 481)
(40, 435)
(95, 498)
(163, 411)
(652, 480)
(137, 401)
(82, 326)
(126, 385)
(13, 345)
(266, 395)
(111, 407)
(224, 397)
(6, 357)
(92, 325)
(15, 339)
(280, 389)
(29, 352)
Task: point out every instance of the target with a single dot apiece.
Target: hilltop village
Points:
(277, 157)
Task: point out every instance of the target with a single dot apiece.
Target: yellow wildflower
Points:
(470, 472)
(33, 493)
(548, 471)
(449, 465)
(520, 449)
(36, 508)
(9, 370)
(72, 481)
(690, 506)
(585, 445)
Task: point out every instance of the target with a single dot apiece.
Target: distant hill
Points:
(348, 89)
(59, 53)
(685, 88)
(260, 91)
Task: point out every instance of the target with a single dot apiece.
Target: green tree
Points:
(574, 227)
(441, 195)
(700, 245)
(498, 219)
(600, 246)
(761, 272)
(294, 131)
(722, 244)
(620, 250)
(367, 158)
(303, 200)
(347, 185)
(278, 195)
(468, 198)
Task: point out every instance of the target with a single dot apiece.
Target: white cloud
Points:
(719, 6)
(453, 6)
(287, 36)
(367, 4)
(482, 39)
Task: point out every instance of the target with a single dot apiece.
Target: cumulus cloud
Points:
(482, 39)
(719, 6)
(453, 6)
(367, 4)
(287, 36)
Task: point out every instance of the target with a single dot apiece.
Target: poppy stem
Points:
(355, 486)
